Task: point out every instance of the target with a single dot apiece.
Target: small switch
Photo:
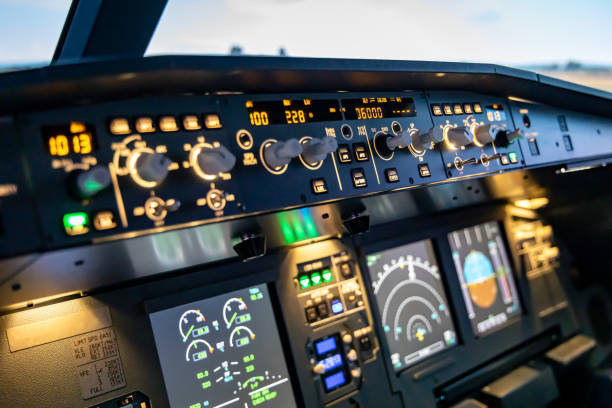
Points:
(424, 170)
(144, 125)
(76, 223)
(168, 124)
(359, 179)
(391, 175)
(318, 369)
(504, 160)
(533, 147)
(448, 110)
(513, 157)
(212, 121)
(567, 142)
(322, 310)
(119, 126)
(467, 108)
(346, 270)
(477, 108)
(347, 338)
(337, 306)
(311, 314)
(191, 122)
(344, 154)
(458, 109)
(352, 355)
(104, 220)
(436, 110)
(361, 154)
(364, 343)
(319, 186)
(356, 372)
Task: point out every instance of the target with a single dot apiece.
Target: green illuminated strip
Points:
(298, 228)
(286, 229)
(311, 229)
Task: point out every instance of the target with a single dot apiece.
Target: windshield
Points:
(562, 38)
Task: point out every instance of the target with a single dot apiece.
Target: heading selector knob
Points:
(151, 167)
(90, 182)
(216, 160)
(484, 134)
(458, 136)
(279, 154)
(427, 140)
(316, 149)
(504, 138)
(402, 140)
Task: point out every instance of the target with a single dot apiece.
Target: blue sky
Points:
(514, 32)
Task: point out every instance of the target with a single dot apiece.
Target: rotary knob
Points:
(427, 140)
(278, 154)
(458, 136)
(316, 149)
(485, 134)
(152, 168)
(504, 138)
(88, 183)
(212, 161)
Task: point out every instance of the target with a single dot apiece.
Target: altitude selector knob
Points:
(279, 154)
(216, 160)
(152, 167)
(386, 143)
(88, 183)
(484, 134)
(427, 140)
(316, 149)
(458, 136)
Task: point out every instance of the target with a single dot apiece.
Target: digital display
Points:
(332, 362)
(223, 351)
(292, 112)
(378, 108)
(484, 271)
(325, 346)
(334, 381)
(411, 303)
(495, 113)
(75, 138)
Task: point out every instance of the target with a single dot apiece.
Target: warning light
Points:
(76, 223)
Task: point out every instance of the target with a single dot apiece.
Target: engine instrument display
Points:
(292, 112)
(411, 302)
(378, 108)
(223, 352)
(484, 271)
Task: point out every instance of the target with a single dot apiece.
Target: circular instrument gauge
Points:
(190, 321)
(198, 350)
(235, 312)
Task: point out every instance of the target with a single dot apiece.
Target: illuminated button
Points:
(391, 175)
(168, 124)
(316, 279)
(356, 372)
(76, 223)
(346, 270)
(119, 126)
(344, 154)
(352, 355)
(533, 147)
(424, 170)
(191, 122)
(513, 157)
(448, 110)
(359, 179)
(347, 338)
(319, 186)
(327, 275)
(104, 220)
(212, 121)
(361, 154)
(144, 125)
(311, 314)
(436, 110)
(504, 160)
(477, 108)
(304, 282)
(458, 109)
(322, 310)
(318, 369)
(337, 306)
(467, 108)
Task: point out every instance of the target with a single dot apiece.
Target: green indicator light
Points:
(315, 278)
(304, 282)
(286, 229)
(512, 156)
(327, 275)
(75, 220)
(311, 229)
(298, 228)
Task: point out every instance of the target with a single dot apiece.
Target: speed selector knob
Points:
(402, 140)
(152, 167)
(484, 134)
(216, 160)
(426, 140)
(279, 154)
(458, 136)
(88, 183)
(316, 149)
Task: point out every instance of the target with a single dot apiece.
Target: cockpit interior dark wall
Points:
(286, 232)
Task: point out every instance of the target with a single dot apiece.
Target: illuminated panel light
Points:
(311, 229)
(315, 278)
(168, 124)
(76, 223)
(327, 275)
(212, 121)
(191, 122)
(119, 126)
(144, 125)
(304, 282)
(77, 127)
(286, 229)
(533, 203)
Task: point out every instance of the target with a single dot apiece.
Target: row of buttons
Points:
(319, 185)
(511, 157)
(456, 109)
(359, 151)
(166, 123)
(78, 223)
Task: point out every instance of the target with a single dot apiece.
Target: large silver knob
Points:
(216, 160)
(485, 134)
(316, 149)
(152, 167)
(402, 140)
(426, 140)
(279, 154)
(90, 182)
(458, 136)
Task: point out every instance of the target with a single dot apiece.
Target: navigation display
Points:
(483, 268)
(223, 352)
(411, 302)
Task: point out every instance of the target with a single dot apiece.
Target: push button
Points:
(436, 110)
(364, 343)
(361, 154)
(448, 110)
(323, 310)
(467, 108)
(513, 157)
(319, 186)
(346, 270)
(391, 175)
(424, 170)
(344, 154)
(504, 160)
(359, 179)
(477, 108)
(104, 220)
(458, 109)
(311, 314)
(533, 147)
